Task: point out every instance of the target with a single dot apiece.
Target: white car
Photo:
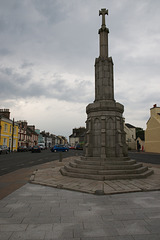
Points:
(41, 145)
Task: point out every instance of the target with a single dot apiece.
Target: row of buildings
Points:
(133, 134)
(18, 133)
(148, 140)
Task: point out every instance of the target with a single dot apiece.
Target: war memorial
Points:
(105, 167)
(106, 156)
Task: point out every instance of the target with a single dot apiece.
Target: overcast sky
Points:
(48, 49)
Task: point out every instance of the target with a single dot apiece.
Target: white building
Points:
(130, 131)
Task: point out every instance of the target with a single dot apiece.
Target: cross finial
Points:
(103, 12)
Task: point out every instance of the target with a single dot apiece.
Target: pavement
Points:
(52, 206)
(52, 177)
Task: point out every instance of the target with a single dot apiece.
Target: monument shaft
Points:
(105, 125)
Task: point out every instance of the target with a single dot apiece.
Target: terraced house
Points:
(152, 133)
(8, 130)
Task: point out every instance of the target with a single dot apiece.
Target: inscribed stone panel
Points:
(97, 136)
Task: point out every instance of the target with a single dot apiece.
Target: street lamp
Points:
(0, 133)
(12, 134)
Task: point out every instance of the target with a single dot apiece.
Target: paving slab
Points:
(52, 177)
(73, 215)
(63, 208)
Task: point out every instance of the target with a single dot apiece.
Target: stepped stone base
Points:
(105, 169)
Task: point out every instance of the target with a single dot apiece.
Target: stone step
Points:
(106, 167)
(106, 177)
(108, 158)
(105, 172)
(107, 162)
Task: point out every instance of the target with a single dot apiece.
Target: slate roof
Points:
(129, 125)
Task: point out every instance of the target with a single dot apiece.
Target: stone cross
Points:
(103, 12)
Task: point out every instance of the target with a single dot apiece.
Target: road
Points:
(18, 160)
(153, 158)
(16, 168)
(14, 161)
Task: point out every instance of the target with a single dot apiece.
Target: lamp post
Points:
(0, 133)
(12, 135)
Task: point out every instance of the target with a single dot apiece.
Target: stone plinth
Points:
(105, 169)
(105, 136)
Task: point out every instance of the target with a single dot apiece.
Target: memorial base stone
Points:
(106, 169)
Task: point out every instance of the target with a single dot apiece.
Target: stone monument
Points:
(105, 124)
(105, 148)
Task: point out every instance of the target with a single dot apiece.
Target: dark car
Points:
(36, 149)
(59, 148)
(22, 149)
(29, 148)
(4, 149)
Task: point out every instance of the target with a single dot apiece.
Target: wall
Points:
(130, 137)
(152, 133)
(6, 133)
(73, 141)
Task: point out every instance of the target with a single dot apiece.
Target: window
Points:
(10, 129)
(5, 127)
(15, 130)
(14, 143)
(5, 141)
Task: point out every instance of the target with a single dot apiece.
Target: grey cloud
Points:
(12, 84)
(55, 11)
(75, 92)
(16, 85)
(6, 71)
(5, 52)
(8, 74)
(139, 100)
(26, 64)
(62, 36)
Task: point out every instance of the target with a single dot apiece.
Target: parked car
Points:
(36, 149)
(72, 147)
(41, 145)
(59, 148)
(22, 149)
(29, 148)
(4, 149)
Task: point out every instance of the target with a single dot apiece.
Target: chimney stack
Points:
(5, 113)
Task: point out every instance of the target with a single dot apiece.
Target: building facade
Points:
(22, 133)
(130, 131)
(8, 130)
(32, 136)
(41, 139)
(152, 133)
(77, 136)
